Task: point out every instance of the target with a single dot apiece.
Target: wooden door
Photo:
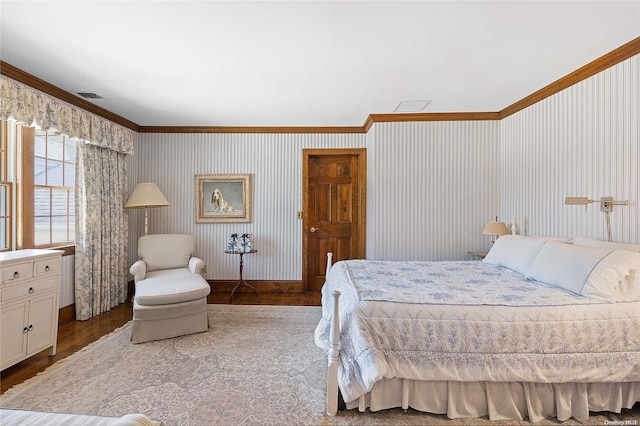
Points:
(334, 188)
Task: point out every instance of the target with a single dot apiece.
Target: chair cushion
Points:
(171, 286)
(166, 251)
(173, 311)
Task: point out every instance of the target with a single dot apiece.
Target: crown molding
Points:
(249, 129)
(612, 58)
(432, 116)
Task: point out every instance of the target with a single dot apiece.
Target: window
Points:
(54, 162)
(43, 182)
(5, 192)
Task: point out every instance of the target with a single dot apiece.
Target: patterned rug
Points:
(256, 365)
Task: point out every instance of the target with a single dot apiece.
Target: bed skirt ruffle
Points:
(501, 400)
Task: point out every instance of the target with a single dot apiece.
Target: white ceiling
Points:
(304, 63)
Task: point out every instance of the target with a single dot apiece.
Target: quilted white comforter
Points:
(471, 321)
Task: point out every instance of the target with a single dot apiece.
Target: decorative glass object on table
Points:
(239, 243)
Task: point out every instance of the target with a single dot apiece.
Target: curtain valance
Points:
(34, 108)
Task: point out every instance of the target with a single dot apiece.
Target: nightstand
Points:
(479, 254)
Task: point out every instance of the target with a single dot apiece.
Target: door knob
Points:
(312, 229)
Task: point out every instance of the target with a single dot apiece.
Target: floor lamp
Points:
(146, 195)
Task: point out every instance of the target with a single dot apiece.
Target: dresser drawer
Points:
(16, 272)
(15, 291)
(45, 267)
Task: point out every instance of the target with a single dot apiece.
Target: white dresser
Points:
(29, 285)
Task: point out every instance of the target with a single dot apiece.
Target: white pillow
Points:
(565, 265)
(588, 242)
(557, 239)
(515, 252)
(616, 278)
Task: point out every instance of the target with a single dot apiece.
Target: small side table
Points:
(241, 280)
(479, 254)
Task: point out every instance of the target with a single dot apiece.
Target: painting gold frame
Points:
(223, 198)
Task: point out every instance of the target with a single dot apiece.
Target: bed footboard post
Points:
(329, 257)
(333, 357)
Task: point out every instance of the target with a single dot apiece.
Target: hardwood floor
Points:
(75, 335)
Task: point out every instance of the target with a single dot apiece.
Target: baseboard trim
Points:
(261, 286)
(67, 314)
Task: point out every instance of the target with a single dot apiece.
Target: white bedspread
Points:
(470, 321)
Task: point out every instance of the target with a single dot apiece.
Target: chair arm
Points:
(196, 265)
(138, 270)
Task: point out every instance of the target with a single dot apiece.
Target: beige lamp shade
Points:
(577, 201)
(144, 195)
(495, 228)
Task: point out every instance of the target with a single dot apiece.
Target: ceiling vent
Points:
(412, 106)
(91, 96)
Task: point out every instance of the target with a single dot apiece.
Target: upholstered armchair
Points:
(170, 294)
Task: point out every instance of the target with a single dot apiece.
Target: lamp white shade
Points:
(495, 228)
(146, 194)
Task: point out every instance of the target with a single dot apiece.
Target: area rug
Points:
(256, 365)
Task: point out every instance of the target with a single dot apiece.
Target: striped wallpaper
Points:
(432, 186)
(274, 160)
(583, 142)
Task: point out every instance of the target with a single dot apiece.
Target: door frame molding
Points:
(307, 153)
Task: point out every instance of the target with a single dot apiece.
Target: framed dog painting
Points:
(223, 198)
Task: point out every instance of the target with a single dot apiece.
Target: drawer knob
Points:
(30, 327)
(46, 268)
(25, 330)
(31, 290)
(16, 274)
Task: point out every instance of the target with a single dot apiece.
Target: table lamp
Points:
(495, 229)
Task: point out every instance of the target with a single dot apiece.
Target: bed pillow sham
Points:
(565, 265)
(616, 278)
(588, 242)
(515, 252)
(598, 273)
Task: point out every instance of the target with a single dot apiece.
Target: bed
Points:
(539, 328)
